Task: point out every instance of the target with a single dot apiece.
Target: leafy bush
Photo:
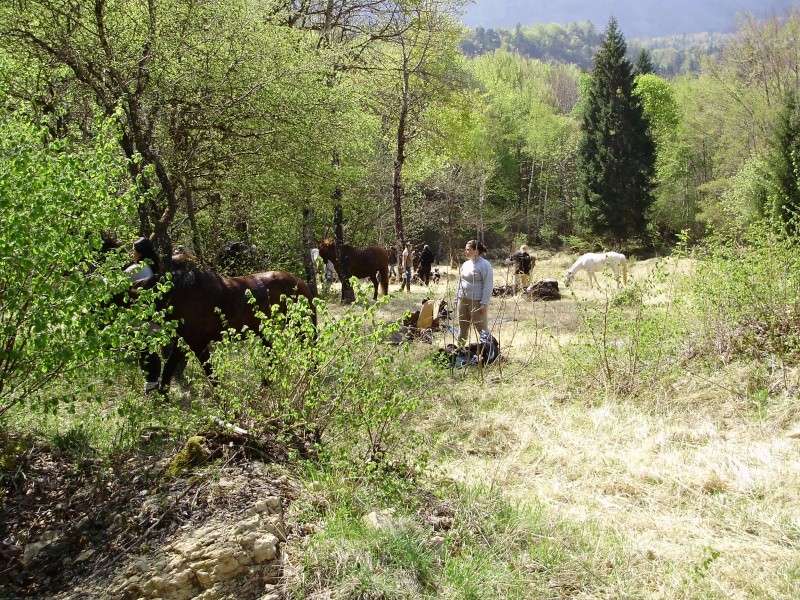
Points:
(55, 200)
(747, 292)
(342, 382)
(624, 344)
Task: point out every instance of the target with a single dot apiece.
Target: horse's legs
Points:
(384, 277)
(204, 356)
(374, 279)
(593, 277)
(177, 357)
(150, 363)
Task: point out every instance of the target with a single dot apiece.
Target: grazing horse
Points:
(591, 262)
(206, 303)
(371, 262)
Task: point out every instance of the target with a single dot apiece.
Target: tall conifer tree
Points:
(784, 164)
(644, 63)
(617, 154)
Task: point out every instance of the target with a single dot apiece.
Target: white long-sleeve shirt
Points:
(476, 280)
(139, 272)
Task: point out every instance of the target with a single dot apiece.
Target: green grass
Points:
(492, 549)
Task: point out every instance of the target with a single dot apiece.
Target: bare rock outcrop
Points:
(213, 562)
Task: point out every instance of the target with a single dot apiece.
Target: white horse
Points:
(591, 262)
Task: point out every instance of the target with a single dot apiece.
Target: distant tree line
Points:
(578, 42)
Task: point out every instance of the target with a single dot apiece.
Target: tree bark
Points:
(192, 214)
(308, 244)
(398, 190)
(481, 198)
(348, 296)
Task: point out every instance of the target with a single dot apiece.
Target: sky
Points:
(636, 17)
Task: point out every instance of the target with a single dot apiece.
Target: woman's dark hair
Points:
(144, 246)
(476, 245)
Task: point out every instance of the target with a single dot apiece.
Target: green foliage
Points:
(342, 386)
(644, 63)
(658, 103)
(743, 200)
(549, 42)
(625, 345)
(616, 154)
(784, 163)
(55, 200)
(747, 293)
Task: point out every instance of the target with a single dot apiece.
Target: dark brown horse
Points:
(206, 303)
(371, 262)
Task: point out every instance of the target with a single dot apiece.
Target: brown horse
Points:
(206, 303)
(372, 262)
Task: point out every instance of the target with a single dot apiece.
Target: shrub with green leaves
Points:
(625, 344)
(747, 291)
(342, 383)
(56, 198)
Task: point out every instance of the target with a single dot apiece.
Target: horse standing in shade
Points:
(371, 262)
(206, 303)
(591, 262)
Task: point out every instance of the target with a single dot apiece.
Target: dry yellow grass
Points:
(703, 493)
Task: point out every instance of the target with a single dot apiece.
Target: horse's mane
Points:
(188, 273)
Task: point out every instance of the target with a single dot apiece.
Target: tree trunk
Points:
(542, 200)
(348, 296)
(481, 198)
(192, 214)
(450, 256)
(397, 175)
(308, 244)
(528, 202)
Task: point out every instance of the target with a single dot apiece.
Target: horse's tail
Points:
(383, 275)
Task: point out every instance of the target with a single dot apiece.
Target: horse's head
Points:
(184, 269)
(327, 249)
(568, 276)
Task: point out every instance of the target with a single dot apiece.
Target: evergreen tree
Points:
(616, 154)
(784, 163)
(644, 63)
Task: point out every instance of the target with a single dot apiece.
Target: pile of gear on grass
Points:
(543, 290)
(431, 318)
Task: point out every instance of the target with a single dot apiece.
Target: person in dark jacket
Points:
(425, 263)
(523, 265)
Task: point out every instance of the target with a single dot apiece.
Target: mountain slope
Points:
(636, 17)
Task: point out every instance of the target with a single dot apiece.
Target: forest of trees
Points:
(251, 121)
(577, 43)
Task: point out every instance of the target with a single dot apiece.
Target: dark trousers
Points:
(425, 274)
(406, 284)
(151, 365)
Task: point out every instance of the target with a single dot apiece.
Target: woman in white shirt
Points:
(146, 266)
(474, 291)
(145, 261)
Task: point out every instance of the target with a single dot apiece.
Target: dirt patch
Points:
(69, 521)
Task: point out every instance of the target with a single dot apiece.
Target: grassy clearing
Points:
(688, 480)
(464, 542)
(566, 471)
(695, 474)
